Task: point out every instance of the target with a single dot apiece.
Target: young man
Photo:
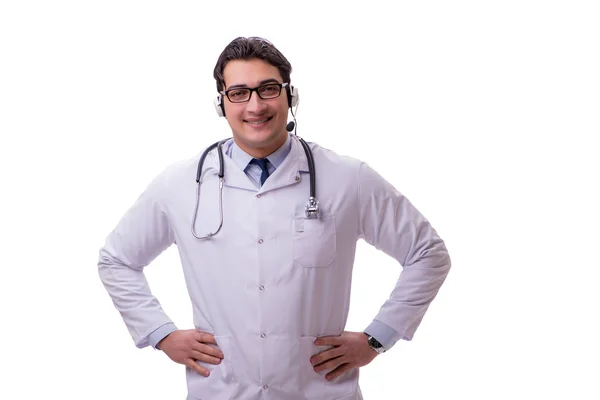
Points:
(270, 285)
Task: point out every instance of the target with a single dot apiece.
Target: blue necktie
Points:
(262, 163)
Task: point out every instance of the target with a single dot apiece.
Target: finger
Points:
(338, 371)
(326, 355)
(206, 349)
(204, 337)
(330, 364)
(329, 341)
(199, 356)
(196, 367)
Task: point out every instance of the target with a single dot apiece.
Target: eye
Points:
(237, 94)
(269, 90)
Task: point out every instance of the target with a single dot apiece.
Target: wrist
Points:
(159, 334)
(160, 343)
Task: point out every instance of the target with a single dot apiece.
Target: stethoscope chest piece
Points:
(311, 210)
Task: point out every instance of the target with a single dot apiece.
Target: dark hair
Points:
(249, 48)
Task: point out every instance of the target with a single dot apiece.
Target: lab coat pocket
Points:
(221, 383)
(316, 387)
(314, 241)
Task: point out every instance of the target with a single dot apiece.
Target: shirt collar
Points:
(242, 159)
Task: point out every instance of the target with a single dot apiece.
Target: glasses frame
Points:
(255, 89)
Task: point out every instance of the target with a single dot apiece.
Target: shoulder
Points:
(179, 173)
(330, 158)
(361, 174)
(178, 169)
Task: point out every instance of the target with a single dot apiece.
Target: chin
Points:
(266, 135)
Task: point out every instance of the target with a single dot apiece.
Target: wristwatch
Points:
(374, 344)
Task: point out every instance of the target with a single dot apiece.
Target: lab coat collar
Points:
(288, 173)
(300, 155)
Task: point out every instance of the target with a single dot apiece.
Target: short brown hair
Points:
(242, 48)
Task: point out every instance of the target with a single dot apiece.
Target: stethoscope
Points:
(311, 209)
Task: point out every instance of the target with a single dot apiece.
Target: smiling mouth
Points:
(262, 121)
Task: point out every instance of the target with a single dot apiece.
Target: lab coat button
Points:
(260, 241)
(265, 387)
(258, 195)
(261, 287)
(263, 335)
(297, 179)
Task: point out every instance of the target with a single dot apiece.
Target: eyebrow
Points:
(263, 82)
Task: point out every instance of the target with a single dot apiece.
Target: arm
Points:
(388, 221)
(392, 224)
(140, 236)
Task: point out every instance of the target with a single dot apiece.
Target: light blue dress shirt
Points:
(380, 331)
(253, 171)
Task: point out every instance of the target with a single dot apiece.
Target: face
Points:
(258, 125)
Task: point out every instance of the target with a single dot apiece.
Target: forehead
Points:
(249, 72)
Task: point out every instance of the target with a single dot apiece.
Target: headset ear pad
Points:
(219, 107)
(293, 97)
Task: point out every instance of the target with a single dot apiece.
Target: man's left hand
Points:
(351, 350)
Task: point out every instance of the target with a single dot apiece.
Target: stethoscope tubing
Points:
(312, 207)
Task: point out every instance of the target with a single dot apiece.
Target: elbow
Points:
(441, 256)
(108, 261)
(435, 254)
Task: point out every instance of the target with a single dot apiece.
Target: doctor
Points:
(270, 289)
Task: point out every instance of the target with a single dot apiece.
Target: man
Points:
(270, 285)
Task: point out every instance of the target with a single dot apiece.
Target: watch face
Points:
(375, 345)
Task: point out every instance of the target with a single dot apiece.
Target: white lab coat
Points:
(271, 281)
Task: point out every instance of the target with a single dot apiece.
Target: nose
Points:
(255, 105)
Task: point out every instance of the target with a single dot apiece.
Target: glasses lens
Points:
(269, 91)
(238, 95)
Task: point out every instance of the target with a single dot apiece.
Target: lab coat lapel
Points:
(288, 173)
(234, 176)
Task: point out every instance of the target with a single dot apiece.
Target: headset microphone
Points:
(290, 126)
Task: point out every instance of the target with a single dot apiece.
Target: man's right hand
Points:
(187, 347)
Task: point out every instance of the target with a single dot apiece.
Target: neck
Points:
(263, 152)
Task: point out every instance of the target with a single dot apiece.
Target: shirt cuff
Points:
(383, 333)
(160, 333)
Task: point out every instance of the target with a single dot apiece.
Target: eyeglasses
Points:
(265, 92)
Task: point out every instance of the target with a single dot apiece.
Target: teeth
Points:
(258, 122)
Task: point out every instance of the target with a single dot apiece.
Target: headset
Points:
(292, 96)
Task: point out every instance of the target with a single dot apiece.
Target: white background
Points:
(483, 113)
